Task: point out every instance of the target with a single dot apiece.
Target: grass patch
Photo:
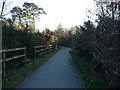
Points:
(16, 78)
(89, 79)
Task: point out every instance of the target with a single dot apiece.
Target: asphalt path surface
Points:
(58, 72)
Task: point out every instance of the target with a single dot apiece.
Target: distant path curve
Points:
(58, 72)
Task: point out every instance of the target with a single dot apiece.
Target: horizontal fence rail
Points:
(11, 50)
(5, 58)
(15, 55)
(41, 50)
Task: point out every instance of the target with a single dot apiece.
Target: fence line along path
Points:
(6, 57)
(41, 50)
(18, 53)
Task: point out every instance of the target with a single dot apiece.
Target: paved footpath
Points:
(58, 72)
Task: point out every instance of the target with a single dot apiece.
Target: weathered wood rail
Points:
(38, 51)
(6, 58)
(41, 50)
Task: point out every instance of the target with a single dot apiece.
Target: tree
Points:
(50, 37)
(53, 40)
(64, 36)
(5, 6)
(26, 15)
(99, 45)
(30, 12)
(17, 15)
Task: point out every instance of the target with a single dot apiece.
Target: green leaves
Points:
(27, 14)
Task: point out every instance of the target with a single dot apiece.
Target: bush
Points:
(13, 38)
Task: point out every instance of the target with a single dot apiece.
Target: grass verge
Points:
(15, 78)
(89, 79)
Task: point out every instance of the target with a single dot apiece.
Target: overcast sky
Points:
(67, 12)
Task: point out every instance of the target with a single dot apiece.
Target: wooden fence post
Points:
(45, 49)
(50, 48)
(56, 47)
(4, 64)
(25, 56)
(35, 53)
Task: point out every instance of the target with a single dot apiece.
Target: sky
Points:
(67, 12)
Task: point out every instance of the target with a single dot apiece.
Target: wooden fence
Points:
(38, 51)
(41, 50)
(7, 57)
